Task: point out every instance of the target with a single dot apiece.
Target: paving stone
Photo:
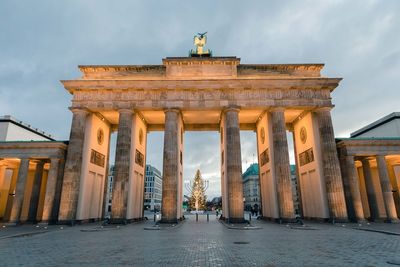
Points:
(200, 243)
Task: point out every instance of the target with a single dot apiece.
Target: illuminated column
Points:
(386, 189)
(282, 164)
(354, 188)
(233, 167)
(122, 167)
(51, 187)
(171, 167)
(11, 195)
(330, 166)
(19, 191)
(37, 182)
(370, 188)
(73, 168)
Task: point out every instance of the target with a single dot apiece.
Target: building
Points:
(12, 129)
(31, 170)
(111, 172)
(295, 190)
(251, 187)
(370, 166)
(388, 126)
(152, 188)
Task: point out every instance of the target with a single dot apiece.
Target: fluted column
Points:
(330, 166)
(19, 191)
(37, 182)
(171, 161)
(11, 195)
(282, 164)
(51, 188)
(386, 189)
(73, 168)
(370, 188)
(234, 166)
(354, 189)
(122, 167)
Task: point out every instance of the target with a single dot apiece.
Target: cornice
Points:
(282, 67)
(121, 68)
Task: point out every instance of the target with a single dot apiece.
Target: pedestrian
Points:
(216, 212)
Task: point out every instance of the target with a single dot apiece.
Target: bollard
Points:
(197, 217)
(208, 218)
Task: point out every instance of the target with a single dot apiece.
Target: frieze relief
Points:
(184, 95)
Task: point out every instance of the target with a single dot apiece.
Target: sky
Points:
(42, 42)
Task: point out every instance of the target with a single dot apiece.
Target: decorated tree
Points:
(197, 188)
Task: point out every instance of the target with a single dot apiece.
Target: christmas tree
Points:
(198, 199)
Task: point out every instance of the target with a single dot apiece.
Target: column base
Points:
(168, 221)
(236, 220)
(338, 220)
(392, 221)
(68, 222)
(11, 223)
(361, 221)
(377, 220)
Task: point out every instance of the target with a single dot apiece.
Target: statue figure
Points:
(200, 41)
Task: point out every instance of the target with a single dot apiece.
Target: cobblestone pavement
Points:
(199, 244)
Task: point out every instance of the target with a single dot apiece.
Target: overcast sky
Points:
(42, 42)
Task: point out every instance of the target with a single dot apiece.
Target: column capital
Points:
(381, 157)
(176, 110)
(277, 109)
(54, 160)
(231, 108)
(322, 109)
(75, 110)
(126, 111)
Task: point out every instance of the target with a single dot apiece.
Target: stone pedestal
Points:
(19, 191)
(370, 188)
(73, 167)
(386, 189)
(51, 187)
(282, 165)
(354, 189)
(330, 166)
(233, 172)
(122, 163)
(33, 205)
(171, 156)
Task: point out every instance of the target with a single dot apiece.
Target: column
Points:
(37, 182)
(330, 166)
(371, 191)
(4, 188)
(233, 168)
(282, 164)
(11, 194)
(386, 189)
(395, 188)
(19, 191)
(122, 167)
(169, 209)
(73, 167)
(51, 188)
(354, 189)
